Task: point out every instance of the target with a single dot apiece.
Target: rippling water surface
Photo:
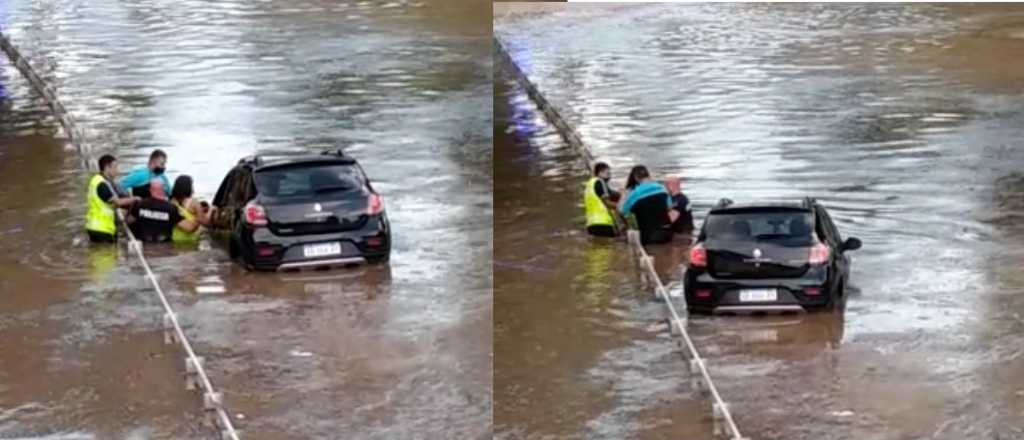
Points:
(853, 105)
(398, 351)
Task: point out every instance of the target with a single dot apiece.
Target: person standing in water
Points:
(651, 205)
(154, 218)
(102, 200)
(138, 180)
(599, 201)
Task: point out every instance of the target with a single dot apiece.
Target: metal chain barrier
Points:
(723, 422)
(195, 373)
(721, 415)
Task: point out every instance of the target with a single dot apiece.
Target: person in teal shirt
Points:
(656, 213)
(138, 180)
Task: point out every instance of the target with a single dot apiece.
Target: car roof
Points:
(258, 163)
(725, 206)
(310, 159)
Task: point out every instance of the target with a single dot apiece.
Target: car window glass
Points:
(308, 181)
(787, 228)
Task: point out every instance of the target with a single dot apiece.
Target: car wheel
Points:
(240, 256)
(233, 249)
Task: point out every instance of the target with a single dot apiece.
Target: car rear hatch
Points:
(761, 243)
(313, 198)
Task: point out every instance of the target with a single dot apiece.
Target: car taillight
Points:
(702, 293)
(375, 204)
(819, 254)
(812, 290)
(698, 256)
(255, 215)
(374, 241)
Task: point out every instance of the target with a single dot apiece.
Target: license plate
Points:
(321, 249)
(758, 295)
(760, 336)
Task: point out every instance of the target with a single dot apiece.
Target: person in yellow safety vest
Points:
(194, 212)
(102, 199)
(599, 200)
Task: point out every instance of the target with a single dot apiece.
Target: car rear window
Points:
(304, 181)
(782, 227)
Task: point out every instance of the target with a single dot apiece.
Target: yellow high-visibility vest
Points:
(597, 212)
(180, 235)
(100, 216)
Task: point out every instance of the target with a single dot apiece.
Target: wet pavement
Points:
(395, 351)
(893, 116)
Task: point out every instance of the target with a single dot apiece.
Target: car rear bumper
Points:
(284, 253)
(725, 297)
(324, 263)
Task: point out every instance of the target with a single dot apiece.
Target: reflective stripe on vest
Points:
(100, 216)
(597, 211)
(179, 234)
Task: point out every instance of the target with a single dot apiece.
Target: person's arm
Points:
(603, 193)
(125, 202)
(624, 203)
(180, 222)
(133, 214)
(108, 196)
(673, 214)
(188, 225)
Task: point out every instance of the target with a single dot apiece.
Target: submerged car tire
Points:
(237, 255)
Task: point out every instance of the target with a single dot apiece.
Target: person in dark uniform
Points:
(103, 198)
(154, 218)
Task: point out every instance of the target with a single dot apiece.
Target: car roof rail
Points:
(340, 152)
(254, 159)
(723, 202)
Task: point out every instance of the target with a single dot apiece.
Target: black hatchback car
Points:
(313, 211)
(772, 257)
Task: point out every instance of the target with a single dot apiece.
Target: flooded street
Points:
(894, 116)
(394, 351)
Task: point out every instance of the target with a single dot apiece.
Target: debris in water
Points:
(299, 353)
(841, 413)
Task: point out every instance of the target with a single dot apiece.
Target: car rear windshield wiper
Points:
(332, 188)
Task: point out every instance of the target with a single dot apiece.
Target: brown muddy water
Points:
(397, 351)
(891, 115)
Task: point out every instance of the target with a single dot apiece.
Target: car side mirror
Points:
(851, 244)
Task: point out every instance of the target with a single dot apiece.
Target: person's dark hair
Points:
(106, 160)
(157, 154)
(601, 166)
(638, 172)
(182, 188)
